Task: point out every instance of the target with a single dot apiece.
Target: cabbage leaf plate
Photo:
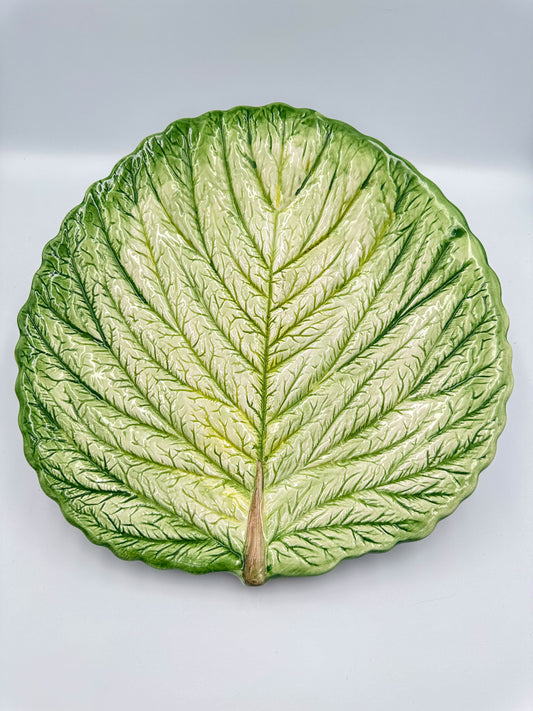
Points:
(263, 344)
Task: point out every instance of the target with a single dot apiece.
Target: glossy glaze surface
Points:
(262, 345)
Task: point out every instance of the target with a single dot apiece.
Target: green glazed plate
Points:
(262, 345)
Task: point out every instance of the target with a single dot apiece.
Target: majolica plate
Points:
(263, 344)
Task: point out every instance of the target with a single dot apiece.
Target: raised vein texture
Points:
(262, 345)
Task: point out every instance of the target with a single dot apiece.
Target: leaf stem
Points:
(254, 571)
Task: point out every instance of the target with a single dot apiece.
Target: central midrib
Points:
(254, 568)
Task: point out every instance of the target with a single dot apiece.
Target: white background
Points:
(444, 623)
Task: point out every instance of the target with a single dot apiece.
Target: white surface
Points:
(444, 623)
(435, 79)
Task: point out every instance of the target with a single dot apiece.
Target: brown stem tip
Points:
(254, 570)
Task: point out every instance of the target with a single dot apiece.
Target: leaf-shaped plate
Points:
(262, 345)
